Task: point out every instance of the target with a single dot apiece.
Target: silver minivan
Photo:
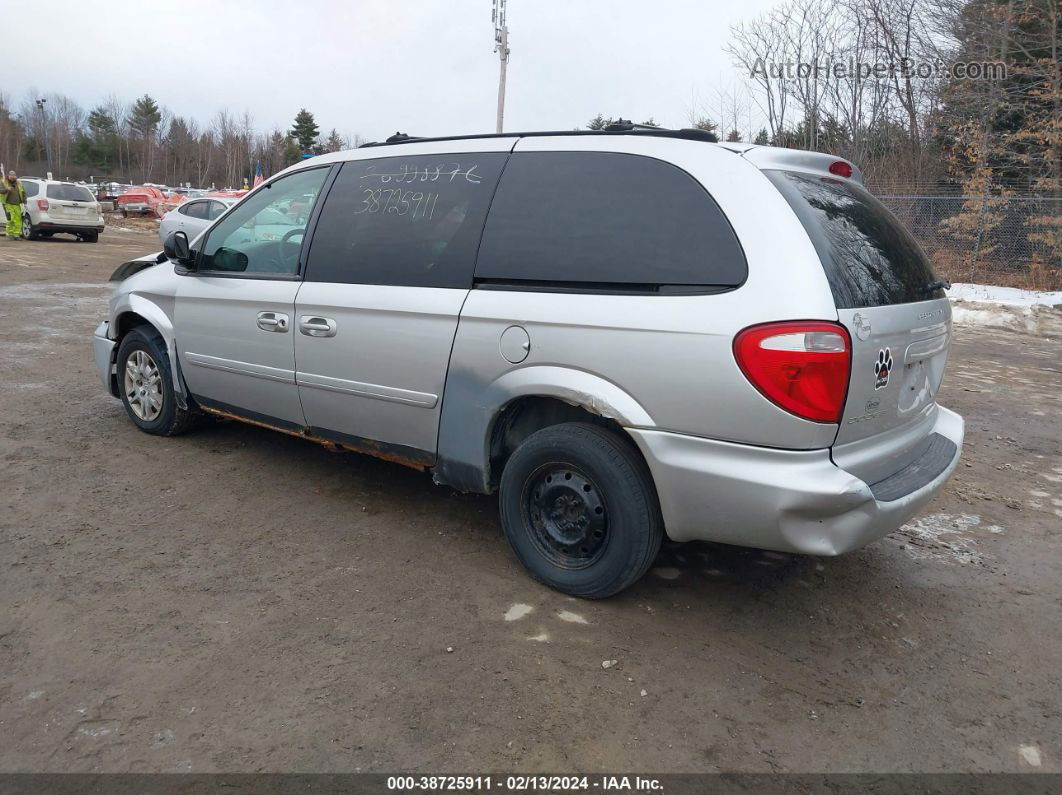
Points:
(626, 334)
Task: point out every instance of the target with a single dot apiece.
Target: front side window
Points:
(264, 234)
(599, 218)
(408, 221)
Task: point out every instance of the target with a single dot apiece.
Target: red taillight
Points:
(801, 367)
(841, 168)
(42, 204)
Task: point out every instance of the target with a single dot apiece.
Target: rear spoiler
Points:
(777, 158)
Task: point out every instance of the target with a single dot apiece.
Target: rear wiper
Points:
(940, 284)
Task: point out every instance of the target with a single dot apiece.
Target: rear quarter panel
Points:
(666, 361)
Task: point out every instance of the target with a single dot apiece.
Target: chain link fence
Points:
(1013, 240)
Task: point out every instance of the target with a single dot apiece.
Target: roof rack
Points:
(618, 127)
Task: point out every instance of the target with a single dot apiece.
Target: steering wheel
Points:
(289, 259)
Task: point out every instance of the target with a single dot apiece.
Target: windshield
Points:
(870, 259)
(70, 193)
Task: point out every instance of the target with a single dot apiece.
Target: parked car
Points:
(624, 334)
(193, 216)
(141, 200)
(54, 207)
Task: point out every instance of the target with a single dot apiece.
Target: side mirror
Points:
(177, 249)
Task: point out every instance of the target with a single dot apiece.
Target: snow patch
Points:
(1028, 311)
(517, 611)
(1030, 754)
(571, 618)
(945, 537)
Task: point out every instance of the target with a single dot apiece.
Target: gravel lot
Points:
(239, 600)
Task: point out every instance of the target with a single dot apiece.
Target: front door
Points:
(389, 267)
(234, 315)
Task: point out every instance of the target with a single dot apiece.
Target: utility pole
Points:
(501, 46)
(44, 131)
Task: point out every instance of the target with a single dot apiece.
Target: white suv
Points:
(53, 206)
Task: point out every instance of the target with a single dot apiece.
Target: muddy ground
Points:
(238, 600)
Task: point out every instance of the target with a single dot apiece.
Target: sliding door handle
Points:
(273, 321)
(315, 326)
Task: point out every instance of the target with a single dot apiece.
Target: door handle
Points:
(273, 321)
(314, 326)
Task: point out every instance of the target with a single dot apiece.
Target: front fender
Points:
(471, 405)
(158, 311)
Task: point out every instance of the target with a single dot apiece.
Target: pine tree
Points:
(599, 122)
(305, 130)
(145, 117)
(334, 143)
(704, 123)
(292, 151)
(733, 137)
(762, 138)
(144, 120)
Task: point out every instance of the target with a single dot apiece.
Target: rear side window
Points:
(409, 221)
(596, 218)
(214, 210)
(68, 193)
(869, 257)
(194, 210)
(32, 188)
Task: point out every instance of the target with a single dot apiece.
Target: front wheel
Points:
(580, 510)
(146, 384)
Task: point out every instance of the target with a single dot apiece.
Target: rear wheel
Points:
(146, 385)
(579, 508)
(90, 237)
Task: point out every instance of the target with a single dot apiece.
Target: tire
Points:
(28, 230)
(152, 366)
(90, 237)
(580, 511)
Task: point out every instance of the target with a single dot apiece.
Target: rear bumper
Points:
(104, 352)
(70, 226)
(785, 500)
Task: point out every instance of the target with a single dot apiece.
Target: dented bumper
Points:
(785, 500)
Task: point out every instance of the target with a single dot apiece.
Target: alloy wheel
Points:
(143, 385)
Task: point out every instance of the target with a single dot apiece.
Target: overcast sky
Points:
(376, 66)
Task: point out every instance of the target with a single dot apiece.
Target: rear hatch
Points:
(896, 314)
(72, 203)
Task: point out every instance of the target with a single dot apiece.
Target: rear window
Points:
(869, 257)
(69, 193)
(598, 218)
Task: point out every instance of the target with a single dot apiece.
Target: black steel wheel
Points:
(580, 510)
(566, 515)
